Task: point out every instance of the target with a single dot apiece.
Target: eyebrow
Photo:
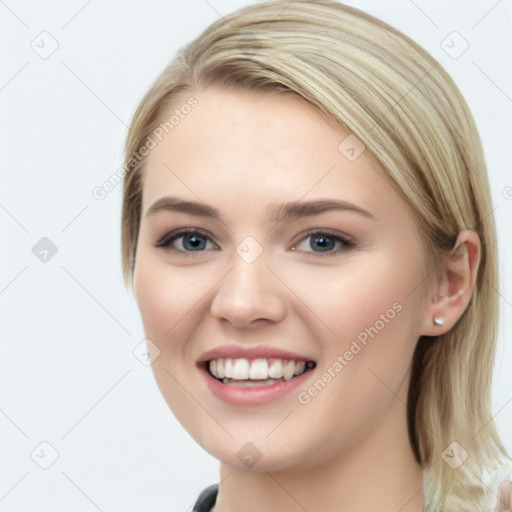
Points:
(280, 212)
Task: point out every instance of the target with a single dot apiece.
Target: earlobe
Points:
(453, 285)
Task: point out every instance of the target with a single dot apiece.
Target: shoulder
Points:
(206, 500)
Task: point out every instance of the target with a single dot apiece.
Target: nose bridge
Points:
(249, 291)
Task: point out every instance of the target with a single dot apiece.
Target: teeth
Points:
(240, 369)
(220, 368)
(288, 370)
(257, 369)
(299, 367)
(249, 383)
(276, 369)
(228, 368)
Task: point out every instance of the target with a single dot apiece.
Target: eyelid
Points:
(325, 231)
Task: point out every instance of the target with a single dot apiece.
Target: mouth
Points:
(260, 372)
(254, 382)
(253, 375)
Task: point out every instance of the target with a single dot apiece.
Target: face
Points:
(293, 250)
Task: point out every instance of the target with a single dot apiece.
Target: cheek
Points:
(152, 298)
(171, 302)
(372, 288)
(161, 297)
(373, 321)
(163, 306)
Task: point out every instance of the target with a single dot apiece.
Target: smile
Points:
(252, 382)
(256, 372)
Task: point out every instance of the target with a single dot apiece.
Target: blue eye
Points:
(186, 240)
(192, 240)
(325, 243)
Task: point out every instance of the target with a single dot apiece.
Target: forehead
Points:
(255, 148)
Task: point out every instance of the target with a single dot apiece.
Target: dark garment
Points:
(206, 500)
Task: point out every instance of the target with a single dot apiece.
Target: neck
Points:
(376, 474)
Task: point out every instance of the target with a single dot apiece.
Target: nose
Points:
(249, 294)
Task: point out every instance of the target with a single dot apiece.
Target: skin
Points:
(504, 502)
(348, 448)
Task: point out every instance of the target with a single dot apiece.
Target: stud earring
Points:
(438, 321)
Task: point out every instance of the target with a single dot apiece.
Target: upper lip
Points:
(257, 352)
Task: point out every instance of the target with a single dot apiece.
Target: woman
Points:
(307, 227)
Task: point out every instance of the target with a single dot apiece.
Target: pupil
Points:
(194, 242)
(323, 243)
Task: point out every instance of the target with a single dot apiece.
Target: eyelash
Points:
(166, 240)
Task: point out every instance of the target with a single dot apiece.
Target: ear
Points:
(452, 285)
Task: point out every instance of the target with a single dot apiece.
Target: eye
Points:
(186, 240)
(324, 243)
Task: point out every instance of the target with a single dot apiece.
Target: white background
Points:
(68, 326)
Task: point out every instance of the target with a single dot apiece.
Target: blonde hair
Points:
(372, 80)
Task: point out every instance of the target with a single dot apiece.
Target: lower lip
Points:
(255, 395)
